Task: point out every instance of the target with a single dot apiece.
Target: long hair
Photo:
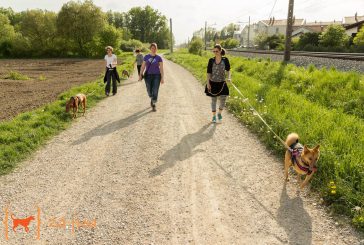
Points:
(223, 51)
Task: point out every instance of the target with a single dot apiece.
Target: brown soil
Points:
(18, 96)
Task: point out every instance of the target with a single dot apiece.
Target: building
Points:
(266, 27)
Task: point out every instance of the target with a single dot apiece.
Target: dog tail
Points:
(12, 216)
(292, 138)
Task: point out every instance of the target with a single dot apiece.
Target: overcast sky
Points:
(190, 15)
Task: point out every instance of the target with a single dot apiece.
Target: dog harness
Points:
(296, 151)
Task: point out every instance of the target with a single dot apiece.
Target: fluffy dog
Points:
(302, 158)
(74, 102)
(125, 73)
(23, 222)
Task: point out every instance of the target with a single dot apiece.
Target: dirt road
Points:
(165, 177)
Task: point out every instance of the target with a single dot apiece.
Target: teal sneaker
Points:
(214, 119)
(219, 116)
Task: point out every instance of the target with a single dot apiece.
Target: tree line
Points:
(79, 29)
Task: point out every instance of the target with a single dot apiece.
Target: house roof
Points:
(351, 19)
(297, 22)
(360, 23)
(323, 23)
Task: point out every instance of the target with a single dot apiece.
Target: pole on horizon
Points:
(287, 48)
(249, 33)
(205, 35)
(170, 27)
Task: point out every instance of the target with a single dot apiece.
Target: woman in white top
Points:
(111, 73)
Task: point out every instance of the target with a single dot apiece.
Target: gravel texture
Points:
(165, 177)
(343, 65)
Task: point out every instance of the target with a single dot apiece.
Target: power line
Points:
(270, 15)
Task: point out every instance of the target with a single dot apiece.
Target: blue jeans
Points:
(152, 82)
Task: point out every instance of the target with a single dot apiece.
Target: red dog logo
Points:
(23, 222)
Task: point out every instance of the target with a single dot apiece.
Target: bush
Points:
(230, 43)
(130, 45)
(195, 46)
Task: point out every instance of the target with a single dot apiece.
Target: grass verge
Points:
(270, 88)
(22, 135)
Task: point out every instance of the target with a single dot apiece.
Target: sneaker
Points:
(214, 119)
(154, 107)
(107, 94)
(219, 116)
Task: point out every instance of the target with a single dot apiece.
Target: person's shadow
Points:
(294, 219)
(112, 126)
(184, 149)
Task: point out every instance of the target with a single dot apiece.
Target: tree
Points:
(359, 38)
(39, 27)
(80, 23)
(309, 38)
(228, 31)
(7, 35)
(148, 25)
(334, 36)
(261, 40)
(230, 43)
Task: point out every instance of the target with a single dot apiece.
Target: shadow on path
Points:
(184, 149)
(112, 126)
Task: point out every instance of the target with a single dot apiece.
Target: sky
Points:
(190, 15)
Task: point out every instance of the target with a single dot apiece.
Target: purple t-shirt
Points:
(154, 67)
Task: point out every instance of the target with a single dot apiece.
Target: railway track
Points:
(331, 55)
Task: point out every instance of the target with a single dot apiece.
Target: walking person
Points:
(154, 74)
(139, 60)
(218, 69)
(111, 73)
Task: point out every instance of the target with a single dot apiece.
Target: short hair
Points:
(137, 50)
(109, 47)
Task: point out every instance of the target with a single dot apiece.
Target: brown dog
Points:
(125, 73)
(74, 102)
(23, 222)
(302, 158)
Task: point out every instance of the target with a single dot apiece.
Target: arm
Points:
(227, 68)
(162, 71)
(142, 71)
(114, 61)
(209, 71)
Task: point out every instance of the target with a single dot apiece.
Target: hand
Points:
(229, 80)
(208, 86)
(162, 80)
(140, 78)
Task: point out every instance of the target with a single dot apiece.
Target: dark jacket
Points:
(115, 71)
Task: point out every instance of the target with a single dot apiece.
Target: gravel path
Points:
(343, 65)
(165, 177)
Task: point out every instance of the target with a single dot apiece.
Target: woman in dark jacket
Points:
(218, 69)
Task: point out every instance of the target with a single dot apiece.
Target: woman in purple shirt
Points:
(154, 74)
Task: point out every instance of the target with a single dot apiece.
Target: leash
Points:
(246, 101)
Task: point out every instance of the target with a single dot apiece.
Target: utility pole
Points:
(170, 27)
(287, 49)
(205, 35)
(249, 33)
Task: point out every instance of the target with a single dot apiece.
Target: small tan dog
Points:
(74, 102)
(125, 73)
(302, 158)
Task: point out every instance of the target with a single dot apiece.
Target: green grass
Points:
(14, 75)
(22, 135)
(316, 112)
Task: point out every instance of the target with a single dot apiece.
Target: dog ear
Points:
(316, 148)
(305, 149)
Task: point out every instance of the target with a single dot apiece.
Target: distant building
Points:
(317, 26)
(353, 24)
(266, 27)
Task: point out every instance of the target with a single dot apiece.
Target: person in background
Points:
(154, 74)
(139, 60)
(111, 72)
(218, 69)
